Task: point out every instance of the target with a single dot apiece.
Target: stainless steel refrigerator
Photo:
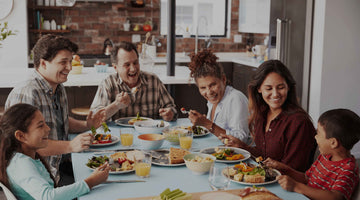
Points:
(290, 40)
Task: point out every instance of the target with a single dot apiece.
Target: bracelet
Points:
(212, 127)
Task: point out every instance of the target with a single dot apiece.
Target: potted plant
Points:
(5, 32)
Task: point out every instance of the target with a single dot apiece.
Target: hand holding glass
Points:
(143, 165)
(126, 136)
(219, 177)
(186, 140)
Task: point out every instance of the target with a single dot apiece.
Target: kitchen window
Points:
(206, 17)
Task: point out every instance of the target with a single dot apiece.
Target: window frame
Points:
(226, 24)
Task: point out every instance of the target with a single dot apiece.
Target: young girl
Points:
(23, 131)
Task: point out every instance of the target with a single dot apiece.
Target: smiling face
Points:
(211, 88)
(57, 70)
(274, 90)
(128, 67)
(324, 143)
(37, 133)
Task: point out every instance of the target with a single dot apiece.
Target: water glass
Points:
(186, 140)
(143, 165)
(219, 177)
(127, 136)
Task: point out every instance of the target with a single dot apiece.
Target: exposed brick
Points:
(91, 33)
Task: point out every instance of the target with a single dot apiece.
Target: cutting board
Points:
(195, 196)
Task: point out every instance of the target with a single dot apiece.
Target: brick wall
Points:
(92, 22)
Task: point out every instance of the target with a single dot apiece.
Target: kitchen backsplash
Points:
(92, 22)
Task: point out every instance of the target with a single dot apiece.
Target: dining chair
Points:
(8, 194)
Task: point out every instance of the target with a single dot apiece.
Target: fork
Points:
(183, 111)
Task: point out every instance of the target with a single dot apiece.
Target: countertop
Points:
(89, 77)
(238, 58)
(9, 77)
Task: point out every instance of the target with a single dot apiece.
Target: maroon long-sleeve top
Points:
(290, 139)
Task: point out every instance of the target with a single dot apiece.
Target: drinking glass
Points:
(219, 176)
(127, 136)
(143, 165)
(186, 140)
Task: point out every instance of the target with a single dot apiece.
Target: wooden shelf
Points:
(49, 7)
(133, 9)
(136, 32)
(49, 31)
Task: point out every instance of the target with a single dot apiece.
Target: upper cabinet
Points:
(254, 16)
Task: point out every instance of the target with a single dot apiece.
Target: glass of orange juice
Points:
(143, 165)
(127, 136)
(186, 140)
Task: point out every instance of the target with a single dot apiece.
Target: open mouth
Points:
(132, 75)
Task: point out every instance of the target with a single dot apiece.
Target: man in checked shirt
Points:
(130, 91)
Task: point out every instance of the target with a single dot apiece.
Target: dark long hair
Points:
(204, 64)
(17, 117)
(257, 105)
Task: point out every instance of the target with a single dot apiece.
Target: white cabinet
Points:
(254, 16)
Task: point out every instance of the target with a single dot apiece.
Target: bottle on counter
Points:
(53, 25)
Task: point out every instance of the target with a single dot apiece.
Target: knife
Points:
(107, 151)
(124, 181)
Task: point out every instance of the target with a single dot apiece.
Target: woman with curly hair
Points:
(227, 107)
(280, 128)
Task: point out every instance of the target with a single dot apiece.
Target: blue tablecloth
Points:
(160, 177)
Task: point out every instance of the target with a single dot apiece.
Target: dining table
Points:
(161, 177)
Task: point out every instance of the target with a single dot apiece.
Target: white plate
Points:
(163, 161)
(124, 121)
(245, 153)
(265, 183)
(195, 135)
(219, 196)
(114, 139)
(111, 172)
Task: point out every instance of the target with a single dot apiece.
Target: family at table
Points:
(271, 123)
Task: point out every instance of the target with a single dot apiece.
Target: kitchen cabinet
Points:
(242, 75)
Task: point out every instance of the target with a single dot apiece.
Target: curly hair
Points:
(49, 45)
(17, 117)
(204, 64)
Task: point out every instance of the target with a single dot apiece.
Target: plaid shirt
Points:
(38, 92)
(151, 96)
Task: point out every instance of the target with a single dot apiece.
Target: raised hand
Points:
(166, 113)
(97, 119)
(81, 142)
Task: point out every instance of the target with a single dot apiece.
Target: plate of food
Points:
(250, 174)
(104, 138)
(227, 154)
(120, 162)
(169, 157)
(129, 121)
(199, 131)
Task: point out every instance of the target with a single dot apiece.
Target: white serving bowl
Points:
(101, 68)
(150, 126)
(151, 141)
(199, 168)
(172, 134)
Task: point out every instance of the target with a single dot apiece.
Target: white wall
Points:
(335, 73)
(13, 53)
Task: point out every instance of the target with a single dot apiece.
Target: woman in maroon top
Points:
(281, 129)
